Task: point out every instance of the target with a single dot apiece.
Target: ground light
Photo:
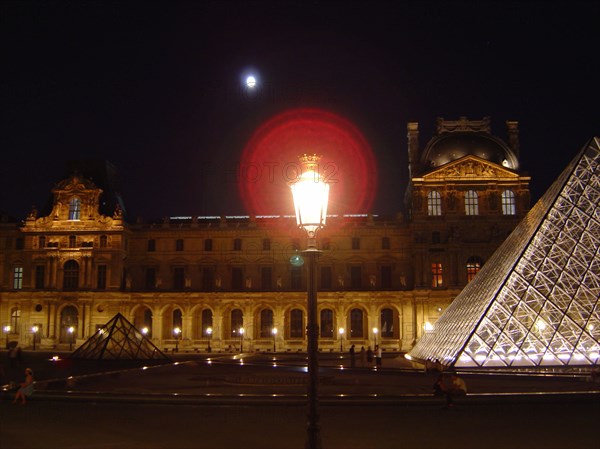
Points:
(311, 195)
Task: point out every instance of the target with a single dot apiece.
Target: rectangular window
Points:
(179, 245)
(19, 243)
(385, 243)
(208, 279)
(509, 205)
(326, 278)
(39, 276)
(434, 203)
(435, 238)
(471, 203)
(151, 245)
(178, 278)
(237, 244)
(150, 278)
(103, 241)
(18, 278)
(436, 275)
(72, 241)
(266, 278)
(296, 278)
(42, 241)
(266, 244)
(386, 276)
(101, 277)
(355, 243)
(356, 277)
(237, 278)
(208, 245)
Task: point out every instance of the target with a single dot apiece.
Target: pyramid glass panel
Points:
(536, 300)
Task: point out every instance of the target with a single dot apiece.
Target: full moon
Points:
(251, 82)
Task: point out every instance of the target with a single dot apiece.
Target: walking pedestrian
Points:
(352, 357)
(378, 356)
(369, 357)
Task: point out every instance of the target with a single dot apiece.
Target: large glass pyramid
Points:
(118, 339)
(536, 300)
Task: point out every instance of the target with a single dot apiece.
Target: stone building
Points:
(226, 283)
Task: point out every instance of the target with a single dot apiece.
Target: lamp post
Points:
(274, 332)
(177, 333)
(209, 332)
(341, 331)
(241, 339)
(311, 194)
(6, 330)
(375, 331)
(34, 330)
(71, 334)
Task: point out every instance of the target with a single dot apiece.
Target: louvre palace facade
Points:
(233, 283)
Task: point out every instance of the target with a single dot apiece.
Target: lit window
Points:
(471, 203)
(436, 275)
(473, 266)
(74, 208)
(509, 206)
(15, 316)
(18, 278)
(434, 203)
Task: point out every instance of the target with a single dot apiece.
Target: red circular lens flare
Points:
(270, 162)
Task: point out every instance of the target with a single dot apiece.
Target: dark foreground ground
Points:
(258, 401)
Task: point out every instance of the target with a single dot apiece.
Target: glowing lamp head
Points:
(209, 331)
(177, 331)
(71, 329)
(311, 195)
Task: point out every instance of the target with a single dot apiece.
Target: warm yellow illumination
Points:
(428, 326)
(342, 330)
(311, 195)
(7, 329)
(71, 330)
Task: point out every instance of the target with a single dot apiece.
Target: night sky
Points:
(155, 87)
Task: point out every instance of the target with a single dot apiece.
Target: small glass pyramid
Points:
(118, 339)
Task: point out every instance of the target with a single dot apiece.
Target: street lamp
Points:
(177, 333)
(311, 195)
(241, 339)
(6, 330)
(35, 330)
(274, 332)
(341, 331)
(375, 331)
(209, 332)
(71, 333)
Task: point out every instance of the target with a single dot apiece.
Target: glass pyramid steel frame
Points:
(535, 303)
(118, 339)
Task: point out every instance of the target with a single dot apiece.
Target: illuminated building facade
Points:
(222, 282)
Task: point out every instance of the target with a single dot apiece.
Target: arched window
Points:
(474, 264)
(434, 203)
(71, 275)
(177, 319)
(387, 319)
(74, 208)
(326, 323)
(237, 322)
(296, 323)
(509, 205)
(207, 322)
(356, 324)
(68, 318)
(471, 203)
(266, 323)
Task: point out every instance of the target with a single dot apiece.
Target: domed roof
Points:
(450, 146)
